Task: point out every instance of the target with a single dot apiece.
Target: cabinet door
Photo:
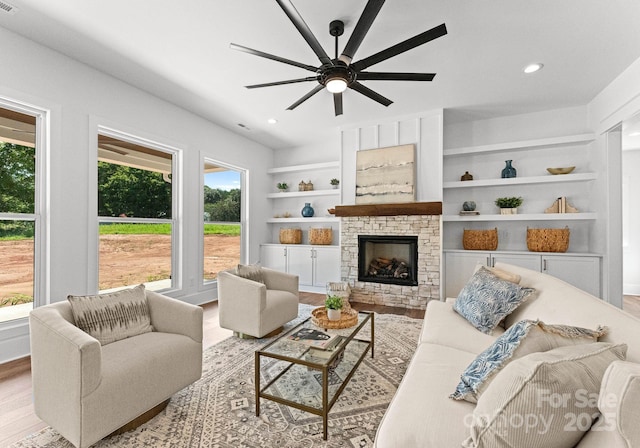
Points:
(532, 261)
(274, 257)
(459, 267)
(581, 272)
(327, 265)
(300, 260)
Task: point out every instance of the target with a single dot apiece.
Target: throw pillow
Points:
(501, 273)
(521, 339)
(114, 316)
(486, 299)
(543, 399)
(251, 272)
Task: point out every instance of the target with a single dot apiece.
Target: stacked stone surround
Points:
(425, 227)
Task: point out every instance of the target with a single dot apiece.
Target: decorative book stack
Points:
(561, 206)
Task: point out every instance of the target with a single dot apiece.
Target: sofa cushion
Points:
(420, 414)
(114, 316)
(444, 326)
(558, 302)
(521, 339)
(250, 272)
(543, 399)
(486, 299)
(619, 398)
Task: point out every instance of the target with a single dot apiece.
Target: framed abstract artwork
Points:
(385, 175)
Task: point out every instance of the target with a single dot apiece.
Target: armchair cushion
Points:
(114, 316)
(251, 272)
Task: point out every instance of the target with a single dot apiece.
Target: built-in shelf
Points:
(525, 217)
(526, 252)
(577, 177)
(298, 194)
(309, 167)
(522, 145)
(301, 219)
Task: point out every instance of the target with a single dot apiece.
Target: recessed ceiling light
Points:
(634, 134)
(272, 121)
(532, 68)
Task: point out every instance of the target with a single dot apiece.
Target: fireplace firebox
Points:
(388, 259)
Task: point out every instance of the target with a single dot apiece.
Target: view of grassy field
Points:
(130, 254)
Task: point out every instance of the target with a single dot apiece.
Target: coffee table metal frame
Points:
(323, 367)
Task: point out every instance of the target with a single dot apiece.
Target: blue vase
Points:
(508, 170)
(307, 210)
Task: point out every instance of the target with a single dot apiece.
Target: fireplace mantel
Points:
(408, 208)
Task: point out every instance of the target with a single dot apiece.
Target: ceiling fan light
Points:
(336, 85)
(532, 68)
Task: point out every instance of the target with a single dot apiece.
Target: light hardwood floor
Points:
(17, 418)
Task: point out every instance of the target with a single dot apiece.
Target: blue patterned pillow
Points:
(486, 299)
(521, 339)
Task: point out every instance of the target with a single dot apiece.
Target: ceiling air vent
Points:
(6, 7)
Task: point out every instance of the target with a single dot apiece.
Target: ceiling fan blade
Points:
(315, 90)
(403, 46)
(304, 29)
(386, 76)
(360, 31)
(337, 103)
(370, 93)
(280, 83)
(262, 54)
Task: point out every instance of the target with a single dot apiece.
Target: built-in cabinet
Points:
(580, 270)
(315, 266)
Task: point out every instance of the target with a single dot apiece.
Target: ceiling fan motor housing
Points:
(339, 70)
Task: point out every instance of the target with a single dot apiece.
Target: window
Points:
(136, 209)
(20, 215)
(222, 205)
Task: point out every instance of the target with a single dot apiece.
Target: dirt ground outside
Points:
(124, 260)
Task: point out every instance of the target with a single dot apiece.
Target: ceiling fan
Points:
(338, 74)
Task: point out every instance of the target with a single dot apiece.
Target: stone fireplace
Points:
(383, 223)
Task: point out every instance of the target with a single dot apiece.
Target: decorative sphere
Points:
(468, 206)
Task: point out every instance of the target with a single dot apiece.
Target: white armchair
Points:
(253, 308)
(87, 391)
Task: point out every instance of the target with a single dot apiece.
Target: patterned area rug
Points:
(219, 409)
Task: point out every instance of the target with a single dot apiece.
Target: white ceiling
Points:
(180, 51)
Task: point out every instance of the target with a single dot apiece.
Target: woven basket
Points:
(480, 239)
(290, 236)
(321, 236)
(548, 240)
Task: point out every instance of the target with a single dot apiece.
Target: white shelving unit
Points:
(527, 145)
(314, 265)
(539, 190)
(578, 177)
(524, 217)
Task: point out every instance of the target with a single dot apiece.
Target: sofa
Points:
(87, 389)
(255, 301)
(422, 414)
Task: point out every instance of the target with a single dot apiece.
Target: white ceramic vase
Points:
(333, 314)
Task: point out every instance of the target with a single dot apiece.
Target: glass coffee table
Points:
(295, 376)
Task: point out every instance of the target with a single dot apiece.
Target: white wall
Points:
(80, 97)
(631, 224)
(617, 102)
(424, 130)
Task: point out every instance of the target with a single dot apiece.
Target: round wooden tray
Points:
(348, 318)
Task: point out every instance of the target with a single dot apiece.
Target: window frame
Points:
(206, 285)
(176, 203)
(40, 216)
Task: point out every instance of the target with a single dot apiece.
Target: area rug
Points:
(219, 409)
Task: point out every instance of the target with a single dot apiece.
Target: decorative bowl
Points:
(332, 211)
(565, 170)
